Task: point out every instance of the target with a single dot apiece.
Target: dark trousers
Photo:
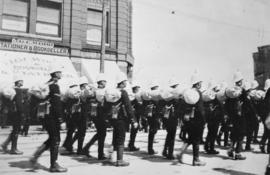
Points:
(101, 127)
(225, 129)
(13, 136)
(250, 131)
(81, 125)
(26, 126)
(144, 124)
(266, 137)
(72, 125)
(211, 136)
(153, 128)
(52, 125)
(171, 128)
(133, 134)
(119, 133)
(3, 117)
(194, 131)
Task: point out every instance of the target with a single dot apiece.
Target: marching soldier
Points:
(214, 114)
(251, 114)
(73, 112)
(16, 109)
(121, 113)
(137, 105)
(195, 120)
(52, 123)
(152, 111)
(235, 105)
(265, 113)
(99, 115)
(171, 116)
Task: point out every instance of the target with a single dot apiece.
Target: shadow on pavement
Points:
(145, 156)
(25, 164)
(84, 159)
(231, 172)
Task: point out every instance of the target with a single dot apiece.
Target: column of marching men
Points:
(233, 112)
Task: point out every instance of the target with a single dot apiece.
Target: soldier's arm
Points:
(128, 107)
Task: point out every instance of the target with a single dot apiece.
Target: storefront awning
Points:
(34, 68)
(90, 68)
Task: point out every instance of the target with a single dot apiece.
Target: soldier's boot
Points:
(165, 149)
(196, 160)
(183, 150)
(120, 162)
(80, 145)
(218, 140)
(170, 151)
(267, 172)
(85, 150)
(238, 156)
(14, 149)
(151, 151)
(268, 148)
(55, 167)
(131, 144)
(34, 159)
(5, 144)
(212, 148)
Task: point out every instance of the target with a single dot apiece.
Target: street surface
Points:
(140, 162)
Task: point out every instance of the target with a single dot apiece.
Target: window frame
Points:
(107, 39)
(60, 25)
(17, 16)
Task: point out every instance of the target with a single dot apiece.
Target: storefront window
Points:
(15, 15)
(48, 18)
(94, 27)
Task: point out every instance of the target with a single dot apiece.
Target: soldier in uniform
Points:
(137, 106)
(121, 113)
(152, 111)
(236, 110)
(194, 124)
(52, 124)
(265, 113)
(16, 109)
(171, 116)
(99, 115)
(72, 108)
(214, 113)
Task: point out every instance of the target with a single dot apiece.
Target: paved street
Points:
(141, 163)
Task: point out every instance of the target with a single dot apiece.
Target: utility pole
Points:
(103, 37)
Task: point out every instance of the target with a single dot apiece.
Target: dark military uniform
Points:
(214, 114)
(52, 123)
(98, 111)
(121, 113)
(237, 108)
(138, 110)
(250, 113)
(171, 116)
(265, 112)
(152, 111)
(73, 112)
(195, 126)
(16, 111)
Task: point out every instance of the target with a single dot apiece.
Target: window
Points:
(48, 18)
(94, 27)
(15, 15)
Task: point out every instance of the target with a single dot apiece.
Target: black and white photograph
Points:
(127, 87)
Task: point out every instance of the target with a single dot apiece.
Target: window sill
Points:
(30, 35)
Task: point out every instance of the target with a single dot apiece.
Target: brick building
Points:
(68, 29)
(262, 64)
